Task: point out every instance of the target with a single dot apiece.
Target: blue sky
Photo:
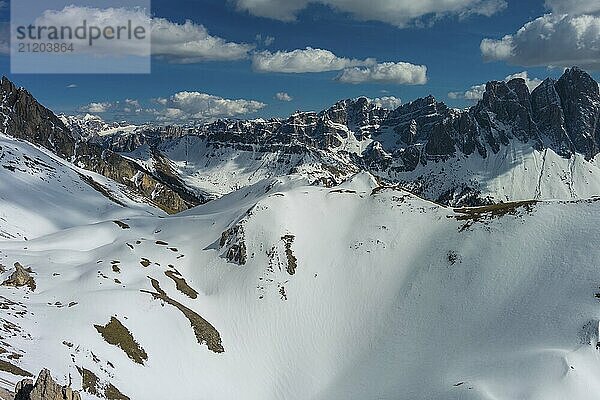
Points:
(449, 46)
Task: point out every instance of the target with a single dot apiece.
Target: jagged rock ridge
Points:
(24, 118)
(328, 146)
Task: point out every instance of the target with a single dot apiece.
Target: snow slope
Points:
(216, 169)
(516, 172)
(304, 292)
(40, 193)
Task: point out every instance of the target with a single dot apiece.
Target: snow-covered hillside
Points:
(516, 172)
(282, 290)
(324, 262)
(41, 193)
(88, 126)
(216, 169)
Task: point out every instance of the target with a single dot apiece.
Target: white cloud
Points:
(354, 71)
(180, 43)
(4, 38)
(97, 107)
(191, 43)
(264, 40)
(283, 96)
(476, 92)
(201, 106)
(303, 61)
(181, 107)
(396, 12)
(552, 40)
(73, 16)
(573, 6)
(71, 86)
(531, 83)
(132, 106)
(400, 73)
(387, 102)
(127, 106)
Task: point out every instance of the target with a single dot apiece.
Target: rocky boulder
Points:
(45, 388)
(6, 395)
(20, 277)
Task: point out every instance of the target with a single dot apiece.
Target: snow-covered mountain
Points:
(42, 194)
(88, 125)
(282, 290)
(319, 257)
(513, 145)
(22, 117)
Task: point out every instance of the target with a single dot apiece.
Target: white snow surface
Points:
(516, 172)
(392, 297)
(218, 169)
(40, 193)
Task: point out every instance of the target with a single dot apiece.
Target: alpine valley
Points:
(356, 253)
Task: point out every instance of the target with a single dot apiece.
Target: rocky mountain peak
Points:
(25, 118)
(579, 80)
(580, 102)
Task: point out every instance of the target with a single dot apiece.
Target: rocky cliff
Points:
(23, 117)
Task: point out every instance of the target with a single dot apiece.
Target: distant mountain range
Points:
(326, 256)
(511, 145)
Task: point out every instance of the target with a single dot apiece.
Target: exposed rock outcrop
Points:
(20, 277)
(45, 388)
(6, 395)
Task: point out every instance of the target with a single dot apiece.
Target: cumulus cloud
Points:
(97, 108)
(552, 40)
(179, 107)
(400, 73)
(180, 43)
(303, 61)
(201, 106)
(475, 92)
(191, 43)
(283, 96)
(387, 102)
(73, 16)
(573, 6)
(400, 13)
(264, 40)
(132, 106)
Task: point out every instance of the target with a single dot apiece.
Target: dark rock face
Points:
(45, 388)
(550, 119)
(580, 100)
(359, 115)
(510, 103)
(563, 115)
(26, 119)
